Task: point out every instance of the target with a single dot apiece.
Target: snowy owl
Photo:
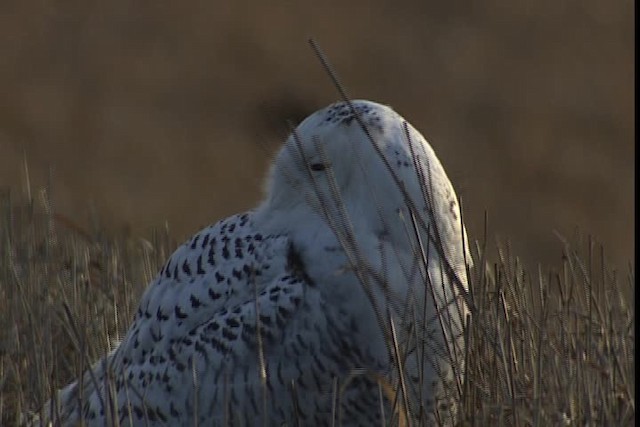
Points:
(339, 300)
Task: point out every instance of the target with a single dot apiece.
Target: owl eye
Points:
(317, 167)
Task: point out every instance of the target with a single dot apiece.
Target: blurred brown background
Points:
(149, 111)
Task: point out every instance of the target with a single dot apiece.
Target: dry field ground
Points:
(146, 112)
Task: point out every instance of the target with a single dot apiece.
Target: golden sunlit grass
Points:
(554, 346)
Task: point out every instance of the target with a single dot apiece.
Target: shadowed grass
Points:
(547, 347)
(67, 296)
(551, 347)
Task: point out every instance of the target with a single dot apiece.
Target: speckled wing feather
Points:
(282, 315)
(194, 340)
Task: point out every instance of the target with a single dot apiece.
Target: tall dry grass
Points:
(554, 346)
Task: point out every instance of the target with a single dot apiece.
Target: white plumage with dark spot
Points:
(288, 314)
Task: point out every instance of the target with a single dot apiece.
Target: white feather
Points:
(301, 291)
